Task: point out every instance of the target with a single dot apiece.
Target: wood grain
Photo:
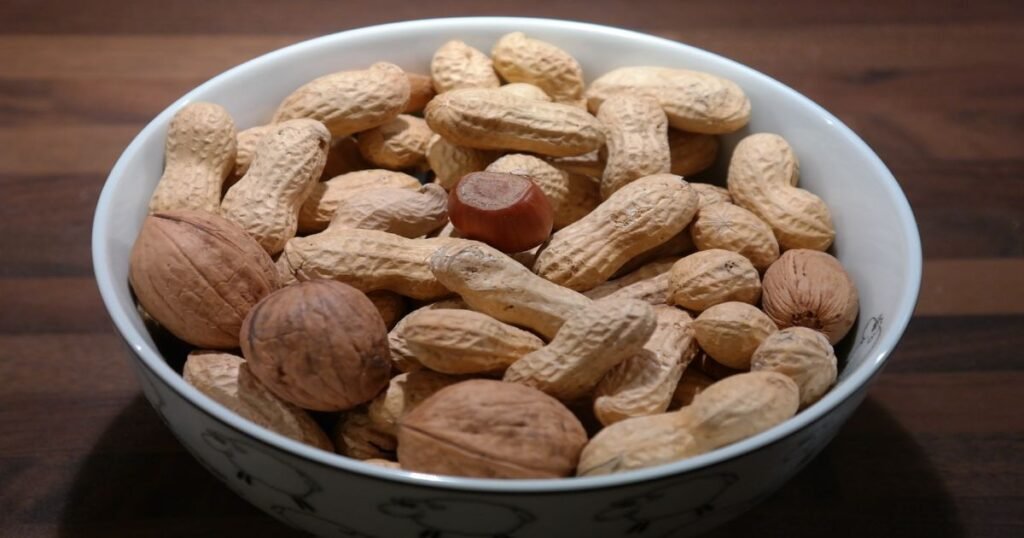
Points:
(934, 87)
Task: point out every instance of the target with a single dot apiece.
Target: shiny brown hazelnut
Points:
(507, 211)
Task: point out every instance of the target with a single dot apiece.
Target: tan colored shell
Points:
(590, 164)
(450, 162)
(807, 288)
(730, 227)
(649, 283)
(730, 332)
(198, 155)
(590, 343)
(320, 345)
(490, 429)
(342, 158)
(711, 194)
(709, 277)
(390, 305)
(763, 174)
(492, 119)
(692, 383)
(266, 201)
(421, 91)
(368, 260)
(741, 406)
(571, 196)
(523, 89)
(356, 436)
(677, 246)
(404, 212)
(464, 342)
(802, 354)
(399, 143)
(404, 393)
(380, 462)
(348, 102)
(693, 101)
(246, 142)
(518, 58)
(198, 274)
(457, 65)
(644, 383)
(226, 379)
(691, 153)
(640, 216)
(638, 442)
(322, 203)
(492, 283)
(401, 356)
(636, 134)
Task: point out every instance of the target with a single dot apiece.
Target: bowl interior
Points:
(876, 240)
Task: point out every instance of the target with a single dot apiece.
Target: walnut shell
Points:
(709, 277)
(802, 354)
(731, 332)
(491, 429)
(807, 288)
(319, 344)
(198, 275)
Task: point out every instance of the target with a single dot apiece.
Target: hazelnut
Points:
(507, 211)
(808, 288)
(319, 344)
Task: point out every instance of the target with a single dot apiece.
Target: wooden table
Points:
(936, 88)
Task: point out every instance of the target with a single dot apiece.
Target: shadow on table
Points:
(872, 480)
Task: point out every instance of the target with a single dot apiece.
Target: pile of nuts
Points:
(557, 301)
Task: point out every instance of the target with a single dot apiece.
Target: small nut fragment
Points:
(490, 429)
(802, 354)
(709, 277)
(730, 332)
(806, 288)
(464, 342)
(320, 345)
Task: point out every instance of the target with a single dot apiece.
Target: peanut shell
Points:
(730, 332)
(518, 58)
(709, 277)
(464, 342)
(802, 354)
(457, 65)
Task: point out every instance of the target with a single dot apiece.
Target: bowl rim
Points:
(155, 363)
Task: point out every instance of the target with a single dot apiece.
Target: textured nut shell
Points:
(523, 89)
(349, 101)
(711, 194)
(807, 288)
(636, 133)
(322, 203)
(390, 305)
(638, 442)
(321, 345)
(399, 143)
(691, 153)
(640, 216)
(226, 379)
(266, 201)
(357, 437)
(450, 162)
(677, 246)
(457, 65)
(692, 383)
(401, 356)
(518, 58)
(490, 429)
(246, 142)
(802, 354)
(198, 275)
(492, 283)
(762, 177)
(403, 212)
(421, 91)
(730, 332)
(730, 227)
(405, 391)
(464, 342)
(693, 101)
(590, 343)
(492, 119)
(198, 155)
(368, 260)
(741, 406)
(649, 283)
(709, 277)
(644, 383)
(589, 164)
(571, 196)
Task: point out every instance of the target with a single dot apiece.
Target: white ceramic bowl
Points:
(327, 494)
